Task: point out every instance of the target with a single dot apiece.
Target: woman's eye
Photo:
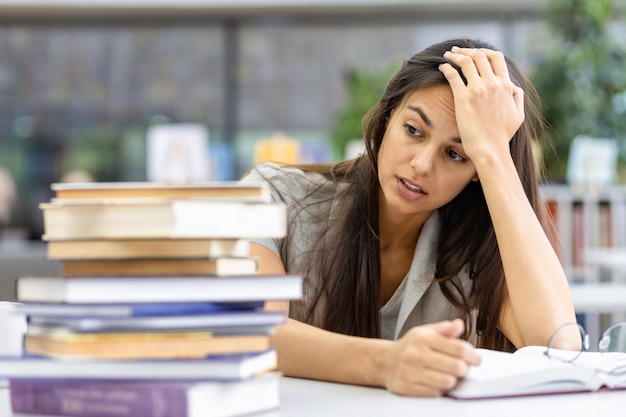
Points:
(455, 156)
(413, 131)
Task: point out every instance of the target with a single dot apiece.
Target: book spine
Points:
(97, 399)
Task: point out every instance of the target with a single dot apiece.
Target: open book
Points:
(529, 371)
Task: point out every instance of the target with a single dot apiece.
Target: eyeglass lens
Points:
(613, 339)
(567, 342)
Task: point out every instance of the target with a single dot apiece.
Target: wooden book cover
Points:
(176, 190)
(146, 248)
(163, 219)
(165, 267)
(141, 345)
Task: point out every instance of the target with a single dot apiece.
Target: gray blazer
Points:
(422, 301)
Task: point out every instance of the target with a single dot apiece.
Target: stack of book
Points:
(159, 306)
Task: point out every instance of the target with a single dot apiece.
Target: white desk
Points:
(304, 398)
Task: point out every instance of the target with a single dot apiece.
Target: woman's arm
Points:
(489, 110)
(427, 361)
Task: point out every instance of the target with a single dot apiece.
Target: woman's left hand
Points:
(490, 108)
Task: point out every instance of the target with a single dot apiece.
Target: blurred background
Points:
(83, 83)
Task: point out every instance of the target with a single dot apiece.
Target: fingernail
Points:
(455, 48)
(447, 54)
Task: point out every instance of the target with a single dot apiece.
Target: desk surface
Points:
(304, 398)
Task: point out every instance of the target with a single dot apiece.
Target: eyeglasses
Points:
(611, 346)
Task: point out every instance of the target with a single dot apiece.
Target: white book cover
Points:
(178, 152)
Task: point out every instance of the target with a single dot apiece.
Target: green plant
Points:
(582, 81)
(364, 89)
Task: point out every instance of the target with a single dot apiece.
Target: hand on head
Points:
(489, 108)
(429, 360)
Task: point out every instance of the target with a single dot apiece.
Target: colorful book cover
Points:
(145, 398)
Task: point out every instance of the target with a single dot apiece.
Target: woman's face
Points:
(421, 163)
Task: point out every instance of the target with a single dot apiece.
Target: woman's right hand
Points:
(429, 360)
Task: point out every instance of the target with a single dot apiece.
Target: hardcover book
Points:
(181, 345)
(155, 267)
(233, 190)
(162, 219)
(231, 319)
(146, 248)
(233, 367)
(132, 310)
(146, 289)
(145, 398)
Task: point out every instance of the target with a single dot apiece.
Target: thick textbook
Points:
(145, 399)
(529, 371)
(211, 321)
(132, 310)
(146, 248)
(161, 219)
(233, 367)
(112, 190)
(224, 266)
(187, 344)
(106, 289)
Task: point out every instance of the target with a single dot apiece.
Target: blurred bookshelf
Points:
(81, 82)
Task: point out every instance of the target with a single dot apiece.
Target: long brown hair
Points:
(348, 255)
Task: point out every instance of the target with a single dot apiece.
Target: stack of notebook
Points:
(159, 306)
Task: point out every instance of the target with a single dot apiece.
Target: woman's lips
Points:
(409, 190)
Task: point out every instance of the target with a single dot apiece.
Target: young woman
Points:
(430, 243)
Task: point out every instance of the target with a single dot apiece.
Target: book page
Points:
(610, 367)
(502, 374)
(495, 364)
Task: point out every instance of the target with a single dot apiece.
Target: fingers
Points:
(452, 328)
(478, 62)
(447, 341)
(452, 75)
(489, 109)
(446, 352)
(479, 67)
(427, 383)
(431, 360)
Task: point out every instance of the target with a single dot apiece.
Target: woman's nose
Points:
(422, 160)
